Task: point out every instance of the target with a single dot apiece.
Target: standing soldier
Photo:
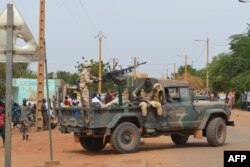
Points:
(85, 80)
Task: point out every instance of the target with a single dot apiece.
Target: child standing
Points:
(25, 125)
(2, 124)
(25, 128)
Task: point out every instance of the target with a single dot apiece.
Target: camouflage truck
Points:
(122, 125)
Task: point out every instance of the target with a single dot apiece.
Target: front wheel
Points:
(92, 143)
(179, 139)
(125, 138)
(216, 132)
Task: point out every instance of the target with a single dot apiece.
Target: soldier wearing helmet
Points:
(85, 80)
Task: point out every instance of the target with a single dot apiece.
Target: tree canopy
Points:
(231, 70)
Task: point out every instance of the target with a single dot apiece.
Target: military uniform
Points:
(150, 95)
(150, 98)
(85, 80)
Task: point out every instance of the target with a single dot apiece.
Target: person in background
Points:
(25, 125)
(231, 98)
(16, 114)
(108, 98)
(75, 101)
(67, 102)
(45, 116)
(2, 124)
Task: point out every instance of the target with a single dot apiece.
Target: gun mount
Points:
(116, 77)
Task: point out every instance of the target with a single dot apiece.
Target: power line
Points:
(200, 53)
(72, 15)
(86, 13)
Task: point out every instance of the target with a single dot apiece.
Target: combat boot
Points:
(162, 121)
(23, 137)
(27, 137)
(145, 122)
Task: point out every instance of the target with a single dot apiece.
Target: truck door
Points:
(180, 111)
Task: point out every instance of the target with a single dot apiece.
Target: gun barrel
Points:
(113, 75)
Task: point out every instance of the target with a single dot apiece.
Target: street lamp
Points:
(207, 59)
(243, 1)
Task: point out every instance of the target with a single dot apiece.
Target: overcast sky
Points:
(155, 31)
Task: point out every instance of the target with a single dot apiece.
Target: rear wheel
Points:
(216, 132)
(179, 139)
(125, 138)
(92, 143)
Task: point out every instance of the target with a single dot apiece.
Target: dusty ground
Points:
(70, 154)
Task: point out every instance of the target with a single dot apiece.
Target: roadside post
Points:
(13, 27)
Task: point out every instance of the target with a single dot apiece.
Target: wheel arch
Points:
(123, 117)
(211, 114)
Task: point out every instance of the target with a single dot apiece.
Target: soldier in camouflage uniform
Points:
(85, 80)
(150, 95)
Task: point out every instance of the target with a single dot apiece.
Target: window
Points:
(184, 94)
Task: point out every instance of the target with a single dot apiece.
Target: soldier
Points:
(85, 80)
(147, 97)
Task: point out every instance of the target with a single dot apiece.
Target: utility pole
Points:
(174, 70)
(207, 86)
(40, 73)
(185, 75)
(135, 62)
(167, 73)
(207, 61)
(100, 36)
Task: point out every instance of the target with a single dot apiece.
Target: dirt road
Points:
(156, 152)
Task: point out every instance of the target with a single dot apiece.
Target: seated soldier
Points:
(149, 95)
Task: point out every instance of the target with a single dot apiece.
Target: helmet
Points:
(87, 64)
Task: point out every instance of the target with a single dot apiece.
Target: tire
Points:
(125, 138)
(92, 144)
(216, 132)
(179, 139)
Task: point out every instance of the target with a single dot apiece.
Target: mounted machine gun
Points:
(116, 76)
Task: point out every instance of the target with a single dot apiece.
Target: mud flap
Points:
(230, 123)
(198, 134)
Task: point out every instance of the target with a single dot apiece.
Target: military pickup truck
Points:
(122, 125)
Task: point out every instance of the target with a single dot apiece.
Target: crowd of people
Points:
(23, 117)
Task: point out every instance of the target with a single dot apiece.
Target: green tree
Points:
(190, 70)
(20, 70)
(231, 70)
